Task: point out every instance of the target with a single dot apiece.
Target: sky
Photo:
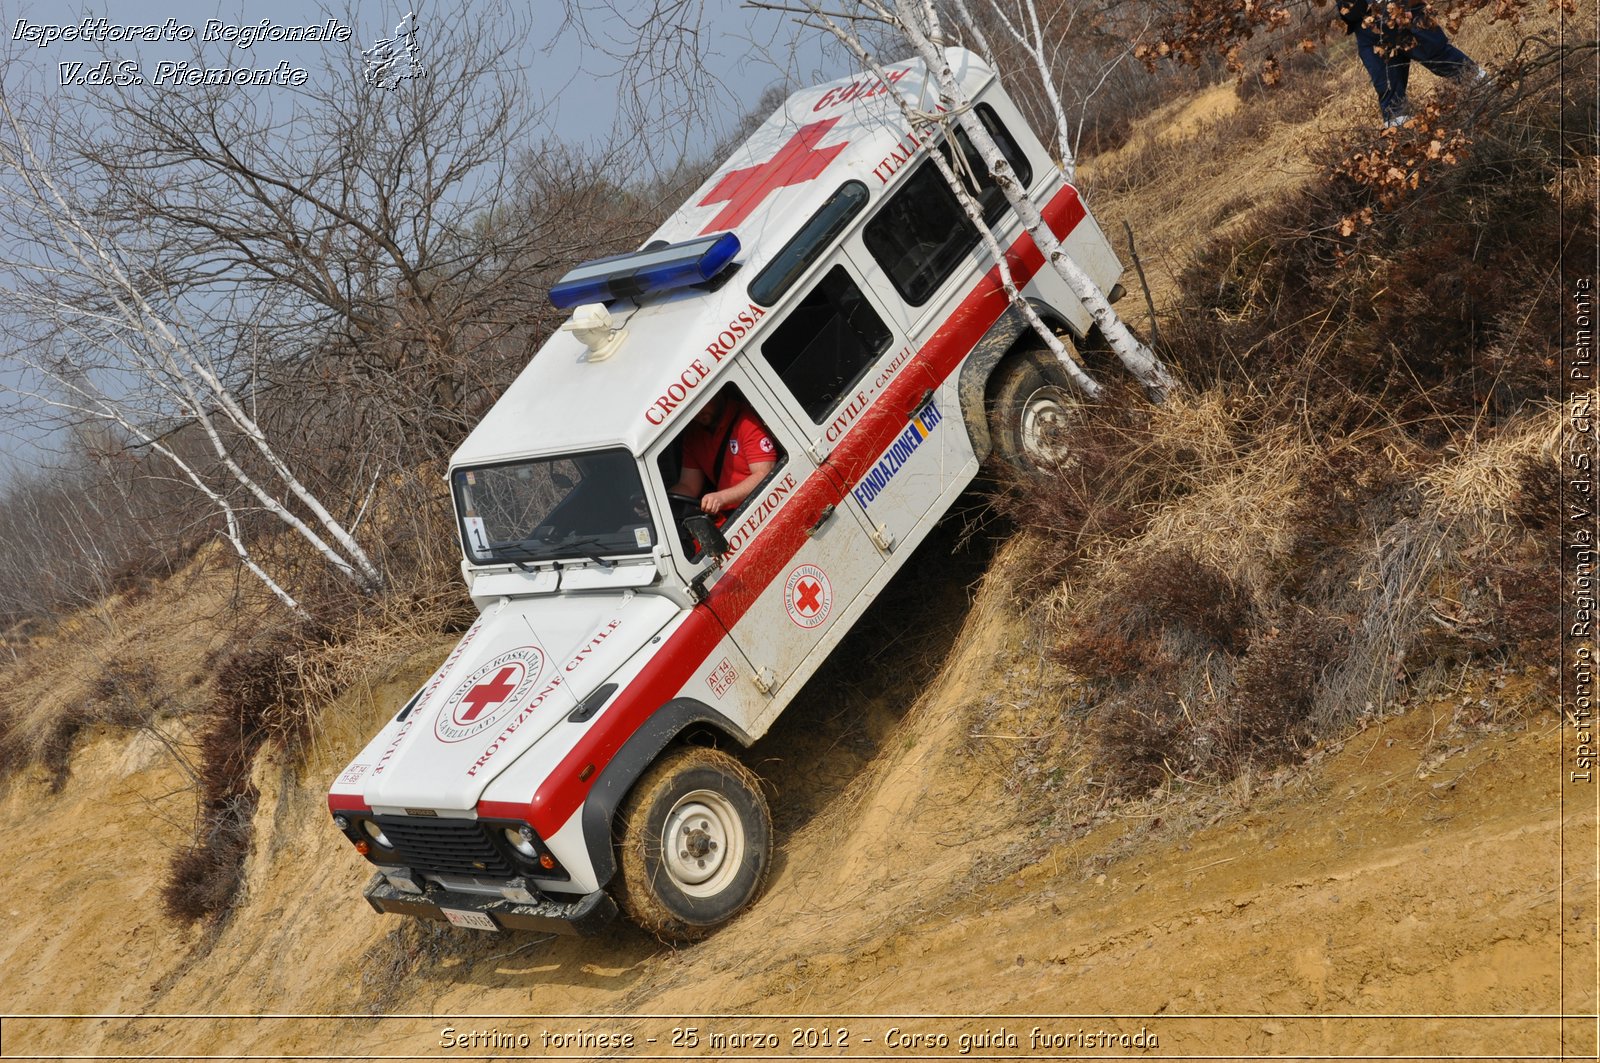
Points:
(568, 55)
(568, 58)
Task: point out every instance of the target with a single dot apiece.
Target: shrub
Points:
(1160, 612)
(1276, 686)
(1118, 467)
(1404, 371)
(1426, 317)
(1139, 743)
(55, 751)
(257, 701)
(203, 880)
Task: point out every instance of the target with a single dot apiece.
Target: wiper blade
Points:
(498, 551)
(580, 544)
(547, 550)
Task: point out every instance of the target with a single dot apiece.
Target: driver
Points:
(727, 448)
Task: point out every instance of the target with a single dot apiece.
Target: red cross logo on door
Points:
(808, 596)
(798, 161)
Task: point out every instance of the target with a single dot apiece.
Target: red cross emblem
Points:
(807, 596)
(493, 689)
(798, 161)
(485, 695)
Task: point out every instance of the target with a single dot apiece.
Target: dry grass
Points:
(122, 663)
(1357, 493)
(1484, 475)
(1294, 585)
(1231, 514)
(1202, 166)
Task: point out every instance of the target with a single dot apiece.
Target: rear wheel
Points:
(696, 841)
(1034, 404)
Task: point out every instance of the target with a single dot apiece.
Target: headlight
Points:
(521, 839)
(375, 832)
(527, 844)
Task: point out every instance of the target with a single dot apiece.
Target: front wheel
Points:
(1034, 404)
(696, 841)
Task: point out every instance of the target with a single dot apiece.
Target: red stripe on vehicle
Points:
(346, 803)
(753, 571)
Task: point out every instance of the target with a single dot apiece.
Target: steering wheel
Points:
(685, 506)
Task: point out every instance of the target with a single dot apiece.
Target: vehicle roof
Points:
(563, 401)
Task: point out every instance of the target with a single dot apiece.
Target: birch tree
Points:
(90, 312)
(919, 120)
(298, 300)
(919, 22)
(388, 228)
(1048, 42)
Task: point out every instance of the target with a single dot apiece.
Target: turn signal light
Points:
(363, 847)
(547, 862)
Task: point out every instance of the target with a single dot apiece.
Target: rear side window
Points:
(921, 233)
(987, 192)
(826, 343)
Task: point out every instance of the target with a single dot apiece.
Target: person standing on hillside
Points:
(1391, 33)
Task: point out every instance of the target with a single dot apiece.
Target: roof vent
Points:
(592, 324)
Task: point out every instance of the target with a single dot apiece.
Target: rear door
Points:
(928, 271)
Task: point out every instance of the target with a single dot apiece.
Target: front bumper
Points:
(582, 915)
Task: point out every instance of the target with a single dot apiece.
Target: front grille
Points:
(456, 846)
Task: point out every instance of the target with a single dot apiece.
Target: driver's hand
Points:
(712, 503)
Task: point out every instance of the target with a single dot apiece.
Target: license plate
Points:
(475, 920)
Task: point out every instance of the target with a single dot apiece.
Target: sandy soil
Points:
(1420, 869)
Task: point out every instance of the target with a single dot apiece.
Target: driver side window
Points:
(717, 463)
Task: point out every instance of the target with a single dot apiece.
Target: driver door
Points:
(797, 559)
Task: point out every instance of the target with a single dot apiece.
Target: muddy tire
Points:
(695, 841)
(1033, 403)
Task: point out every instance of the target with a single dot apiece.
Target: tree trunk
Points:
(1138, 358)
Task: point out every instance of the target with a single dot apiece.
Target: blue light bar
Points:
(636, 273)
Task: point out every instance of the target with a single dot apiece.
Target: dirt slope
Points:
(1417, 870)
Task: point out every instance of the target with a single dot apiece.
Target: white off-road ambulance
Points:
(579, 748)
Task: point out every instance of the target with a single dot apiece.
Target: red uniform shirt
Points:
(746, 439)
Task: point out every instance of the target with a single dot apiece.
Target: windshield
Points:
(548, 509)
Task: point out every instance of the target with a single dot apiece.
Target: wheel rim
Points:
(702, 843)
(1045, 416)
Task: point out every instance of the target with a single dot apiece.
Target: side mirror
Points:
(708, 535)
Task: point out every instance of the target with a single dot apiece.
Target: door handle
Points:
(822, 518)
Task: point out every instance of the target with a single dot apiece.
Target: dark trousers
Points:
(1390, 72)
